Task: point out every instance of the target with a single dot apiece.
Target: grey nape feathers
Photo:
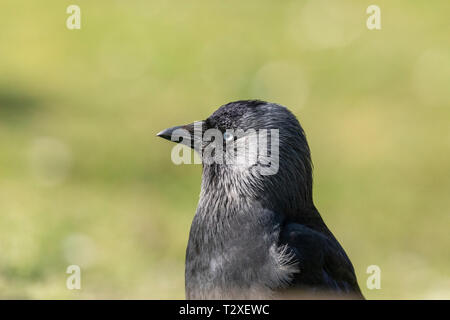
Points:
(260, 236)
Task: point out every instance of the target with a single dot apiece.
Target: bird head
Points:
(254, 147)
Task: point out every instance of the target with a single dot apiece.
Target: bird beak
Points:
(186, 134)
(167, 133)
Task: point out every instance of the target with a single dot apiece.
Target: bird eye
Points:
(228, 136)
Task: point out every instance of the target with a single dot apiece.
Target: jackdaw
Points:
(258, 235)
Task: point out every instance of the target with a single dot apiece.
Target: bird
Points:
(255, 235)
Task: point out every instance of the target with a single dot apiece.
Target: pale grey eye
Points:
(228, 136)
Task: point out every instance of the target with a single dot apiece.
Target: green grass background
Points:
(84, 180)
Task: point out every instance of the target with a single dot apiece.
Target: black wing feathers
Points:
(323, 263)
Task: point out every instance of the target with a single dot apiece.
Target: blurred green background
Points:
(84, 180)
